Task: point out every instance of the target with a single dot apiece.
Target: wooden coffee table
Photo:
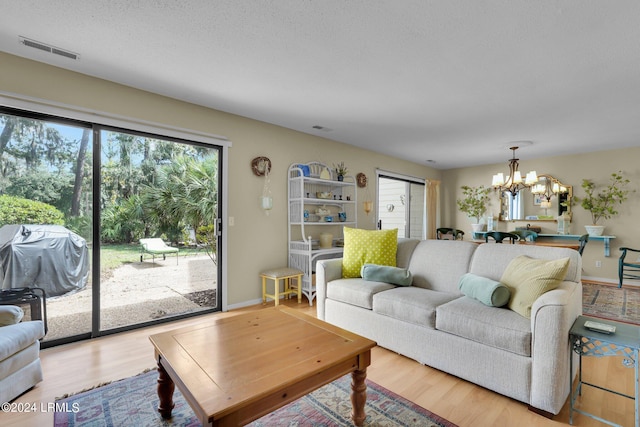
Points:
(237, 369)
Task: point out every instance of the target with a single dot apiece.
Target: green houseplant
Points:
(341, 170)
(601, 202)
(474, 203)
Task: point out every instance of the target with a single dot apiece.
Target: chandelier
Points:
(548, 188)
(514, 182)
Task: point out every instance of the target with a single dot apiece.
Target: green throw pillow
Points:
(528, 278)
(487, 291)
(383, 273)
(368, 247)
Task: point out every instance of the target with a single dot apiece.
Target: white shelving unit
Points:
(313, 208)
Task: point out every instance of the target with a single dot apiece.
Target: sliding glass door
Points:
(159, 210)
(77, 200)
(46, 218)
(401, 205)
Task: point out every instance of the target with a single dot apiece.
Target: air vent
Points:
(48, 48)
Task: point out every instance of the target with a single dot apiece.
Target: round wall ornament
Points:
(361, 179)
(261, 165)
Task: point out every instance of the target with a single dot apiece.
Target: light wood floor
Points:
(74, 367)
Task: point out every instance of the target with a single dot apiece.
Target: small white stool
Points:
(286, 274)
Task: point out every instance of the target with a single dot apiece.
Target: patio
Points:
(137, 292)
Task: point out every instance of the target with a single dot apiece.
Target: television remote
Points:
(600, 327)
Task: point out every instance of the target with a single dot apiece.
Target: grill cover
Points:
(50, 257)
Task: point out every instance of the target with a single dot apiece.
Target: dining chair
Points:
(449, 234)
(499, 236)
(583, 242)
(526, 235)
(629, 269)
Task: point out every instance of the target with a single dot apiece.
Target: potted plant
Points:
(341, 170)
(474, 204)
(602, 203)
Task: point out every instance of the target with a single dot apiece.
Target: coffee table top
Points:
(234, 361)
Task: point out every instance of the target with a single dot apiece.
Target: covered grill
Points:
(50, 257)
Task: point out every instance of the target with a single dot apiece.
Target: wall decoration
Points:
(361, 179)
(261, 165)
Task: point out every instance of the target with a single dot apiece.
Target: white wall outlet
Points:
(598, 264)
(232, 221)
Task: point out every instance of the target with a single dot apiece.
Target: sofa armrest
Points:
(552, 316)
(326, 271)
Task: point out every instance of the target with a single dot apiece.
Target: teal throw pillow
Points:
(383, 273)
(487, 291)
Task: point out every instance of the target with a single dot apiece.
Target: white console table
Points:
(605, 239)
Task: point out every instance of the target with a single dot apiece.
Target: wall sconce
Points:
(261, 166)
(362, 181)
(368, 206)
(266, 202)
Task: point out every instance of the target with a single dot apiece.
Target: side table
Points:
(286, 274)
(624, 342)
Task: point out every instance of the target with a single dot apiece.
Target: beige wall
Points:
(570, 169)
(257, 241)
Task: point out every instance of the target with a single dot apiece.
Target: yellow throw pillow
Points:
(368, 247)
(528, 278)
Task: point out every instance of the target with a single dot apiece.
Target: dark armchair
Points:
(449, 233)
(499, 236)
(525, 235)
(628, 269)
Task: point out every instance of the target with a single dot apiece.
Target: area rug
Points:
(133, 402)
(611, 302)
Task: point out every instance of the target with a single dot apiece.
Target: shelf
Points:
(605, 239)
(302, 191)
(328, 182)
(314, 201)
(350, 223)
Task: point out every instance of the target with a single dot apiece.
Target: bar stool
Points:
(285, 274)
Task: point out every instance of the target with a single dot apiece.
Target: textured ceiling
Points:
(449, 81)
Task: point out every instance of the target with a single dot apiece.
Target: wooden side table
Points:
(286, 274)
(624, 342)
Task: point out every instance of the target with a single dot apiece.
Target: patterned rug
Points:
(611, 302)
(133, 402)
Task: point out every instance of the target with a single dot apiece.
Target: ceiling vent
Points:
(48, 48)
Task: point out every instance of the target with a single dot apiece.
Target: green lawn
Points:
(114, 256)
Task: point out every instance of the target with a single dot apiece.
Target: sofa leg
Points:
(540, 412)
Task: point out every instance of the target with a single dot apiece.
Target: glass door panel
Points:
(46, 227)
(401, 205)
(159, 216)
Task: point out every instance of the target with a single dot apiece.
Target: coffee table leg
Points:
(358, 396)
(165, 392)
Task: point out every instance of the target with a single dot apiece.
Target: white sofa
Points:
(20, 367)
(432, 322)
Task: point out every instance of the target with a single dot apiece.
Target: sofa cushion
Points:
(358, 292)
(368, 246)
(438, 264)
(528, 278)
(496, 327)
(411, 304)
(383, 273)
(487, 291)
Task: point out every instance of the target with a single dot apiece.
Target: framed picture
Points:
(537, 200)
